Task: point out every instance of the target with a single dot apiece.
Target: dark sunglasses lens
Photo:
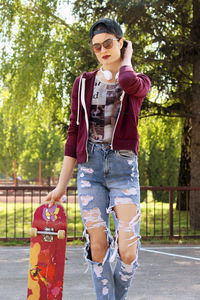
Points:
(96, 47)
(108, 44)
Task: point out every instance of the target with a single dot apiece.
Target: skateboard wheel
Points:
(61, 234)
(33, 232)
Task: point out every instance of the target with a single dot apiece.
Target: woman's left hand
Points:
(127, 54)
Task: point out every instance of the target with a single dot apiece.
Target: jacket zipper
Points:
(121, 100)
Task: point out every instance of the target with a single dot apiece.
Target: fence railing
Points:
(165, 211)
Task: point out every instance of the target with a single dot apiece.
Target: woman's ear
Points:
(121, 42)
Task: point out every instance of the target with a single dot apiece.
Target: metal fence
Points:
(165, 211)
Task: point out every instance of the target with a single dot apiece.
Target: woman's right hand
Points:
(66, 172)
(54, 195)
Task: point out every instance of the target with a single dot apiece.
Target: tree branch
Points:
(35, 10)
(184, 74)
(167, 115)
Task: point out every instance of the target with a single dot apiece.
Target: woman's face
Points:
(107, 56)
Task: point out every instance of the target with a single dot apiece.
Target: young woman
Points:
(103, 140)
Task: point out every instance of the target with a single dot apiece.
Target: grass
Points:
(154, 221)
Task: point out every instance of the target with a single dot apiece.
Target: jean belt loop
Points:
(92, 150)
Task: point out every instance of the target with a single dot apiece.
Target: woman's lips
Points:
(105, 56)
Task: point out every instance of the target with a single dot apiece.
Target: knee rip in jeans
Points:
(126, 226)
(130, 227)
(93, 218)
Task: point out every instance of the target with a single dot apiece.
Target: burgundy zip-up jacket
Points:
(125, 134)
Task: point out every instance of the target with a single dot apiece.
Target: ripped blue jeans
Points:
(110, 178)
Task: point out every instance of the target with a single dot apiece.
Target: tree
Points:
(43, 144)
(159, 137)
(37, 74)
(40, 69)
(165, 36)
(195, 146)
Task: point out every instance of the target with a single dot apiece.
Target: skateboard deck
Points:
(47, 253)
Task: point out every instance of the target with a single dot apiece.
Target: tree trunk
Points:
(184, 170)
(195, 146)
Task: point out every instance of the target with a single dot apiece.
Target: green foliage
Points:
(165, 37)
(43, 56)
(159, 153)
(162, 48)
(45, 145)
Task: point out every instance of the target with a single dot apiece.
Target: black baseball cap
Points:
(109, 26)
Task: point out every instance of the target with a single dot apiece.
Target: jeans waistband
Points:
(100, 145)
(107, 147)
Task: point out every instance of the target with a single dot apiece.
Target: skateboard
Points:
(47, 253)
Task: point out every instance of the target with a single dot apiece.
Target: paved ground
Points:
(164, 273)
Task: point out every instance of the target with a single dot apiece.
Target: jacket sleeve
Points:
(70, 145)
(136, 84)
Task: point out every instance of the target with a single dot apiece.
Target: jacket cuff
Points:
(127, 68)
(70, 151)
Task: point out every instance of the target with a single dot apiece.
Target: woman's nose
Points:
(103, 49)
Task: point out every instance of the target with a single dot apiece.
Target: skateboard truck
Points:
(48, 234)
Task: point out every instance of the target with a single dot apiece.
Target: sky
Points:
(65, 11)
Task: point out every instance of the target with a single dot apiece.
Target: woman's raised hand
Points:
(128, 54)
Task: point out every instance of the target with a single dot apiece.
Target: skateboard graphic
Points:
(47, 253)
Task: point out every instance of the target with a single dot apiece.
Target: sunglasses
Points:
(107, 44)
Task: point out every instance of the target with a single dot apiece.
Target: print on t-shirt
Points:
(104, 110)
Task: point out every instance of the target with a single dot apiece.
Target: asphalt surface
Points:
(165, 272)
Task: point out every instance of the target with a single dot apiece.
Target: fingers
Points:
(48, 197)
(52, 202)
(55, 196)
(129, 43)
(52, 197)
(130, 46)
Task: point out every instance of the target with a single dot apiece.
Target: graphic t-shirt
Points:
(104, 110)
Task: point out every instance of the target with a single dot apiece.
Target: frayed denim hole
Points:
(88, 254)
(115, 241)
(128, 226)
(88, 251)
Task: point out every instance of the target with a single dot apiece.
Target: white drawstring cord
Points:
(79, 89)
